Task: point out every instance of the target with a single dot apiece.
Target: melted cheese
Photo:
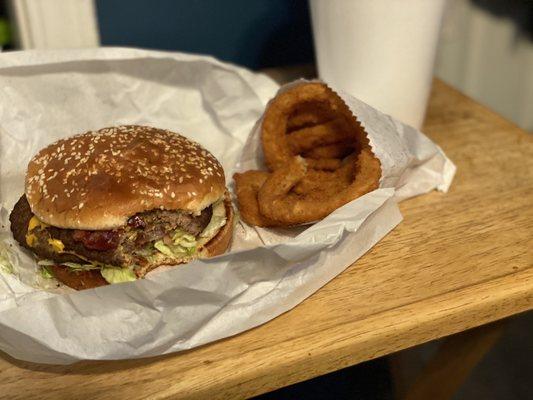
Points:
(57, 245)
(34, 223)
(31, 239)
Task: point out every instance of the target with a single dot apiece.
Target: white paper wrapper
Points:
(47, 95)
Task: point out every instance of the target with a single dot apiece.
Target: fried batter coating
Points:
(331, 132)
(278, 203)
(275, 124)
(247, 186)
(335, 150)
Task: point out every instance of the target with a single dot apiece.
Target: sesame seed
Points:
(146, 160)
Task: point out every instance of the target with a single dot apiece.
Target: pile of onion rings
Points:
(318, 158)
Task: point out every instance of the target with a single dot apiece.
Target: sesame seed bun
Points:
(98, 179)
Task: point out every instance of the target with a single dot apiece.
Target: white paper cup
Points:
(381, 51)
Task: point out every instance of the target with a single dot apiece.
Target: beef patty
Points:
(116, 247)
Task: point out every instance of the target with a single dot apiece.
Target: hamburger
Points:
(111, 205)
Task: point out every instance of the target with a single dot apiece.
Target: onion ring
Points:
(247, 185)
(306, 139)
(319, 156)
(326, 164)
(308, 114)
(277, 204)
(320, 184)
(284, 108)
(335, 150)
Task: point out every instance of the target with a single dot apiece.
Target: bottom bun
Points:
(78, 280)
(88, 279)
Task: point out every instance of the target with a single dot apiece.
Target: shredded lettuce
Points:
(77, 266)
(71, 265)
(45, 273)
(110, 273)
(176, 251)
(44, 263)
(118, 275)
(183, 244)
(163, 248)
(183, 238)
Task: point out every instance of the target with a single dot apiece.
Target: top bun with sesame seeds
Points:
(99, 179)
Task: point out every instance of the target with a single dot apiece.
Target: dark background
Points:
(253, 33)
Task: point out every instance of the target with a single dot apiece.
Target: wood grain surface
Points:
(458, 260)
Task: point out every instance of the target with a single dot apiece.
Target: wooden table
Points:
(457, 261)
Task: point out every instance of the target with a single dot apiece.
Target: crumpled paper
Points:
(47, 95)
